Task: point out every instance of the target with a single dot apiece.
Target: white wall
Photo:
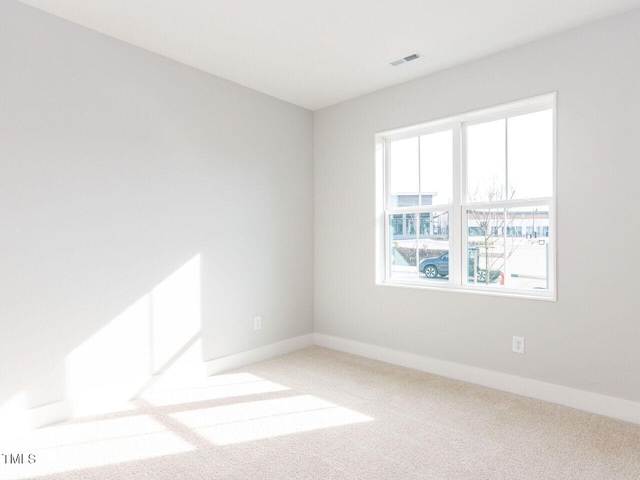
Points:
(117, 168)
(588, 339)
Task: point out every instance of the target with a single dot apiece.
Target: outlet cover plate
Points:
(518, 344)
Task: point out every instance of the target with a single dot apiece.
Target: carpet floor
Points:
(321, 414)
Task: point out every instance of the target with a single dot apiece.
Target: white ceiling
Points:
(316, 53)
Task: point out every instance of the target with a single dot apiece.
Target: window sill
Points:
(487, 291)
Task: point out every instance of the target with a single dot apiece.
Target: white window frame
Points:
(457, 211)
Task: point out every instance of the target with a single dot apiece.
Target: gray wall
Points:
(118, 166)
(588, 339)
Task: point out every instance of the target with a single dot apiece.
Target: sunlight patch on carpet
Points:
(212, 393)
(264, 419)
(71, 447)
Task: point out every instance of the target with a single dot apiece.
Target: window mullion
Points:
(419, 174)
(505, 266)
(506, 159)
(455, 232)
(423, 209)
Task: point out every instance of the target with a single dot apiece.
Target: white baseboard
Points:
(97, 402)
(570, 397)
(242, 359)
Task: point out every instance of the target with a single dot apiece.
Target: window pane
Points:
(414, 237)
(436, 164)
(433, 254)
(486, 167)
(485, 245)
(530, 155)
(509, 247)
(404, 173)
(527, 248)
(402, 246)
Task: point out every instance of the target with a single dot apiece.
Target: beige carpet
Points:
(320, 414)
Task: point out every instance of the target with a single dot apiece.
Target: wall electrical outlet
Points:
(257, 323)
(518, 344)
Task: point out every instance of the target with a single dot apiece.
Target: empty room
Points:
(319, 240)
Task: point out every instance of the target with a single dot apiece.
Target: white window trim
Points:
(456, 123)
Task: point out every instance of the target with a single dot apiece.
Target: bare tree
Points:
(492, 226)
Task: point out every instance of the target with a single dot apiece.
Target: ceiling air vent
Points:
(409, 58)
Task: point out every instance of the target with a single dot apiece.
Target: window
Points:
(468, 203)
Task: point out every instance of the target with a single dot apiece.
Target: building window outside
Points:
(468, 203)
